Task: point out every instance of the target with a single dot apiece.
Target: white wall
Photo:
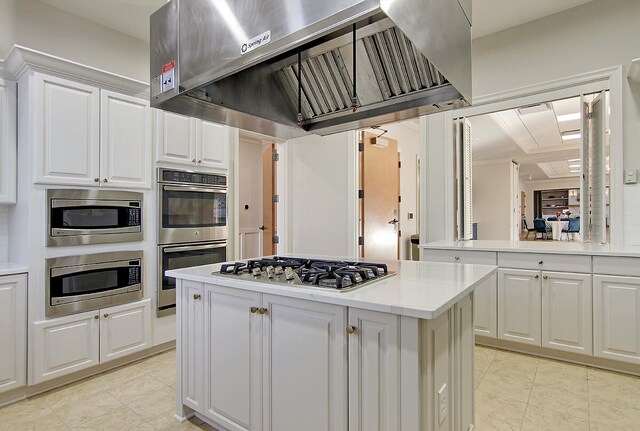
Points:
(45, 28)
(594, 36)
(321, 195)
(250, 184)
(4, 233)
(491, 200)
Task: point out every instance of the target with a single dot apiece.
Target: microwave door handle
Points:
(194, 247)
(63, 203)
(65, 270)
(194, 189)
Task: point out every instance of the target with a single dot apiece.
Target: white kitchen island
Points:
(396, 354)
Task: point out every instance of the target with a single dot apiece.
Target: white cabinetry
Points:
(8, 142)
(191, 142)
(72, 343)
(86, 136)
(616, 318)
(519, 306)
(192, 344)
(374, 371)
(13, 332)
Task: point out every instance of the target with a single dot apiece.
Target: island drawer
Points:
(613, 265)
(545, 261)
(459, 256)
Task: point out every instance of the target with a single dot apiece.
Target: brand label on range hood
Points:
(255, 42)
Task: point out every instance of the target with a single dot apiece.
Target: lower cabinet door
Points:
(566, 312)
(519, 306)
(305, 365)
(125, 329)
(485, 299)
(65, 345)
(374, 372)
(616, 318)
(233, 357)
(191, 342)
(13, 332)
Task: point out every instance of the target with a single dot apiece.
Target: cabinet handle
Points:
(96, 317)
(457, 258)
(96, 180)
(537, 276)
(545, 276)
(540, 262)
(196, 296)
(106, 180)
(105, 315)
(262, 310)
(254, 310)
(351, 329)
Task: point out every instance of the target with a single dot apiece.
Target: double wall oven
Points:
(192, 226)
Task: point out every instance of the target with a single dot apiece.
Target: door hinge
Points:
(360, 146)
(360, 240)
(590, 115)
(275, 156)
(399, 198)
(399, 233)
(275, 199)
(275, 239)
(399, 164)
(360, 194)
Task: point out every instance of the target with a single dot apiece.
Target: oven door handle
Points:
(65, 270)
(194, 189)
(194, 247)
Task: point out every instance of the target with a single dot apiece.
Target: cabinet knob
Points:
(457, 258)
(351, 329)
(96, 317)
(106, 180)
(540, 262)
(196, 296)
(254, 310)
(537, 276)
(262, 310)
(96, 180)
(193, 160)
(545, 276)
(105, 315)
(199, 161)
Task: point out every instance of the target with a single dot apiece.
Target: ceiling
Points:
(533, 137)
(132, 16)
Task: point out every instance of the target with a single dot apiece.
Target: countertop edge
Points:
(523, 249)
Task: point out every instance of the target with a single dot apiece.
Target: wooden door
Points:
(305, 365)
(125, 141)
(380, 209)
(519, 306)
(233, 358)
(566, 312)
(374, 371)
(125, 329)
(616, 318)
(268, 205)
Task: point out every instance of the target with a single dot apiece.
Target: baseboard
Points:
(101, 368)
(12, 396)
(592, 361)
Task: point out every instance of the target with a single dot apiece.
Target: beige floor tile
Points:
(166, 422)
(514, 365)
(615, 414)
(483, 358)
(608, 427)
(615, 388)
(166, 375)
(136, 388)
(541, 419)
(506, 385)
(550, 366)
(565, 400)
(153, 405)
(121, 375)
(121, 419)
(496, 413)
(77, 411)
(72, 392)
(29, 416)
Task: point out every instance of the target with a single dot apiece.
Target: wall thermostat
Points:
(631, 176)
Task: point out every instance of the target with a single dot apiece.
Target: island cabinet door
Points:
(374, 372)
(305, 365)
(519, 306)
(485, 300)
(233, 357)
(191, 344)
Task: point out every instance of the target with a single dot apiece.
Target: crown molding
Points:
(20, 59)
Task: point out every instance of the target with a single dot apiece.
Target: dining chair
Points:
(541, 227)
(572, 227)
(527, 228)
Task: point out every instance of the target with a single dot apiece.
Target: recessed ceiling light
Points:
(568, 117)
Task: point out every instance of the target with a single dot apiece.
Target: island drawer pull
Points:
(545, 276)
(105, 315)
(196, 296)
(540, 262)
(253, 310)
(457, 258)
(351, 329)
(262, 310)
(537, 276)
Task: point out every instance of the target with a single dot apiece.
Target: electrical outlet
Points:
(410, 216)
(443, 401)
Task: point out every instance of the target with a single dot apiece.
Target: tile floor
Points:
(513, 392)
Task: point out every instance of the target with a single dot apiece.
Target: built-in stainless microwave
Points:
(93, 216)
(76, 284)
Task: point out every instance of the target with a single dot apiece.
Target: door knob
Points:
(351, 329)
(262, 227)
(394, 221)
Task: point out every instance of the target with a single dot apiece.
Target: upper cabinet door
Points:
(125, 144)
(8, 142)
(213, 145)
(175, 138)
(67, 131)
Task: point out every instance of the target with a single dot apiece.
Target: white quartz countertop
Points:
(542, 246)
(8, 268)
(419, 289)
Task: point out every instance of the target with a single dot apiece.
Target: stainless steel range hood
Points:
(236, 62)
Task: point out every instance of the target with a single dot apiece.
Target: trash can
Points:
(415, 251)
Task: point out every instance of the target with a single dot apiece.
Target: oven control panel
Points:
(193, 178)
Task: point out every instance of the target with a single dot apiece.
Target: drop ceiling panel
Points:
(543, 128)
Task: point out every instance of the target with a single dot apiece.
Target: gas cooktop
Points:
(338, 275)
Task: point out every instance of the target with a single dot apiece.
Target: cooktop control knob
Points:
(270, 271)
(256, 272)
(279, 270)
(288, 273)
